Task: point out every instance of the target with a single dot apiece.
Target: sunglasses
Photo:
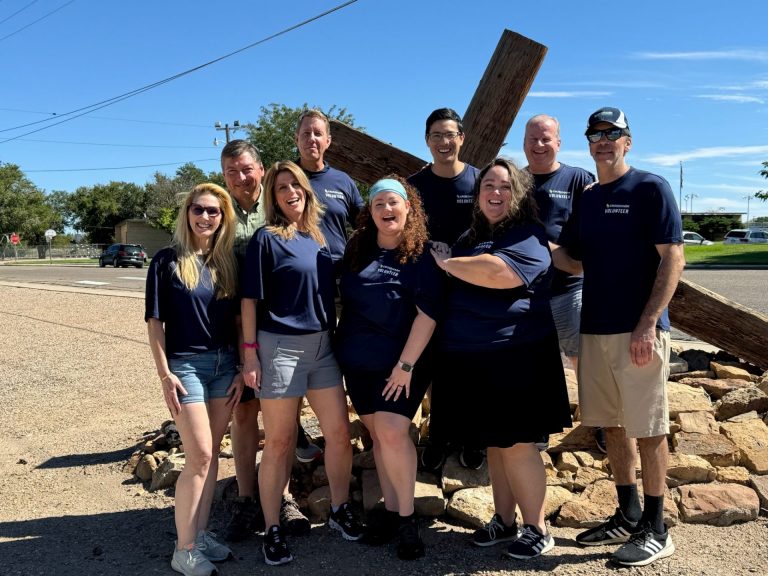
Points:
(438, 136)
(612, 134)
(198, 210)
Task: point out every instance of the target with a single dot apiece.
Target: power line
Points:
(122, 167)
(19, 11)
(116, 145)
(114, 100)
(188, 124)
(36, 21)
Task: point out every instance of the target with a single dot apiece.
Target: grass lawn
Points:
(727, 254)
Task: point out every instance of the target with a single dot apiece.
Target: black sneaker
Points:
(345, 522)
(616, 530)
(531, 543)
(381, 527)
(432, 458)
(543, 444)
(275, 547)
(471, 458)
(600, 440)
(410, 545)
(292, 519)
(246, 519)
(644, 546)
(495, 532)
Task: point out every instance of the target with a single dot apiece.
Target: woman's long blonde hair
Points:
(277, 223)
(220, 260)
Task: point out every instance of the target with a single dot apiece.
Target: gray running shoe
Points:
(192, 562)
(211, 549)
(644, 546)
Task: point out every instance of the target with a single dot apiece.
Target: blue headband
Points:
(387, 185)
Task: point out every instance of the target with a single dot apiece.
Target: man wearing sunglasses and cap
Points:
(627, 233)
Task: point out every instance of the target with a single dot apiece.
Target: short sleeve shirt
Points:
(195, 320)
(342, 201)
(380, 305)
(245, 228)
(293, 282)
(479, 318)
(557, 194)
(615, 235)
(447, 202)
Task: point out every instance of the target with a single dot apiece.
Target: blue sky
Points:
(692, 77)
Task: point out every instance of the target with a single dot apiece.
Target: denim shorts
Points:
(566, 311)
(205, 375)
(291, 364)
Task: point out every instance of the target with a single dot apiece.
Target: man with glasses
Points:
(447, 191)
(628, 236)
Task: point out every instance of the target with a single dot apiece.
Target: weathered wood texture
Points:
(499, 96)
(708, 316)
(493, 108)
(365, 158)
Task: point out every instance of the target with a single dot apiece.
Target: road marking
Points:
(132, 278)
(91, 283)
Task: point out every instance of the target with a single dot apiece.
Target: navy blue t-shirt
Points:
(556, 194)
(293, 282)
(479, 318)
(195, 320)
(380, 305)
(448, 202)
(342, 201)
(615, 233)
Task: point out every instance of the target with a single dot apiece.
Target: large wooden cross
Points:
(494, 106)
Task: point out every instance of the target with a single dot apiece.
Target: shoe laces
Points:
(276, 539)
(642, 536)
(345, 514)
(529, 536)
(493, 526)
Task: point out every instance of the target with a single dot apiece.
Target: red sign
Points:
(14, 238)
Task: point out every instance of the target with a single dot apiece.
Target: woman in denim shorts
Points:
(288, 313)
(191, 310)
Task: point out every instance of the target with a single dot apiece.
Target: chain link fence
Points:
(43, 251)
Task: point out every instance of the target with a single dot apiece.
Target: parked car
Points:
(746, 236)
(695, 238)
(123, 255)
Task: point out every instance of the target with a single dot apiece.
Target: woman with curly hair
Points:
(390, 292)
(288, 315)
(499, 382)
(191, 311)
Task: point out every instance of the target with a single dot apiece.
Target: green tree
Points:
(164, 193)
(97, 209)
(714, 227)
(690, 225)
(24, 208)
(763, 194)
(274, 131)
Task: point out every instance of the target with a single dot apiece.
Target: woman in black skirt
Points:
(499, 381)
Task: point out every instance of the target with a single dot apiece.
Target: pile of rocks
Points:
(718, 469)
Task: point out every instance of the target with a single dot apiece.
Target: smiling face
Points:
(204, 225)
(312, 140)
(445, 141)
(389, 212)
(243, 175)
(541, 145)
(290, 197)
(609, 156)
(495, 195)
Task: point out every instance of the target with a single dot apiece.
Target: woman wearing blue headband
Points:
(390, 291)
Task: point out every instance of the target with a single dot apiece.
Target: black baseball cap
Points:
(612, 116)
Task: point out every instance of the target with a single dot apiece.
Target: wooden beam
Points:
(365, 158)
(499, 96)
(736, 329)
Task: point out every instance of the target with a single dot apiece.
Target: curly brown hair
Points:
(523, 208)
(362, 244)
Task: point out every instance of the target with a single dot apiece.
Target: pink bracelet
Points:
(252, 345)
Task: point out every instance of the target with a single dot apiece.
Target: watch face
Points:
(406, 367)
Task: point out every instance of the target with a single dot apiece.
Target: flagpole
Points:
(681, 186)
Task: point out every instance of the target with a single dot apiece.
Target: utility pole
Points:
(692, 196)
(234, 128)
(747, 198)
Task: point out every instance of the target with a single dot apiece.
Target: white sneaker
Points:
(192, 562)
(211, 549)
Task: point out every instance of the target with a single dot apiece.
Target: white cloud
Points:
(616, 84)
(713, 152)
(568, 94)
(738, 98)
(748, 55)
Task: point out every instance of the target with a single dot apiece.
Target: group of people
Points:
(463, 279)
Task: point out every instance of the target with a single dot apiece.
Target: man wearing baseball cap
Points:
(628, 236)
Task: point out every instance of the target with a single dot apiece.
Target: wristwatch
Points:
(404, 366)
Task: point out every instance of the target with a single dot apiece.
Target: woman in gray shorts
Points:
(288, 313)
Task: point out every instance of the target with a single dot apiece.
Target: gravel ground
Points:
(78, 391)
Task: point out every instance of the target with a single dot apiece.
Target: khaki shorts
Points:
(613, 392)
